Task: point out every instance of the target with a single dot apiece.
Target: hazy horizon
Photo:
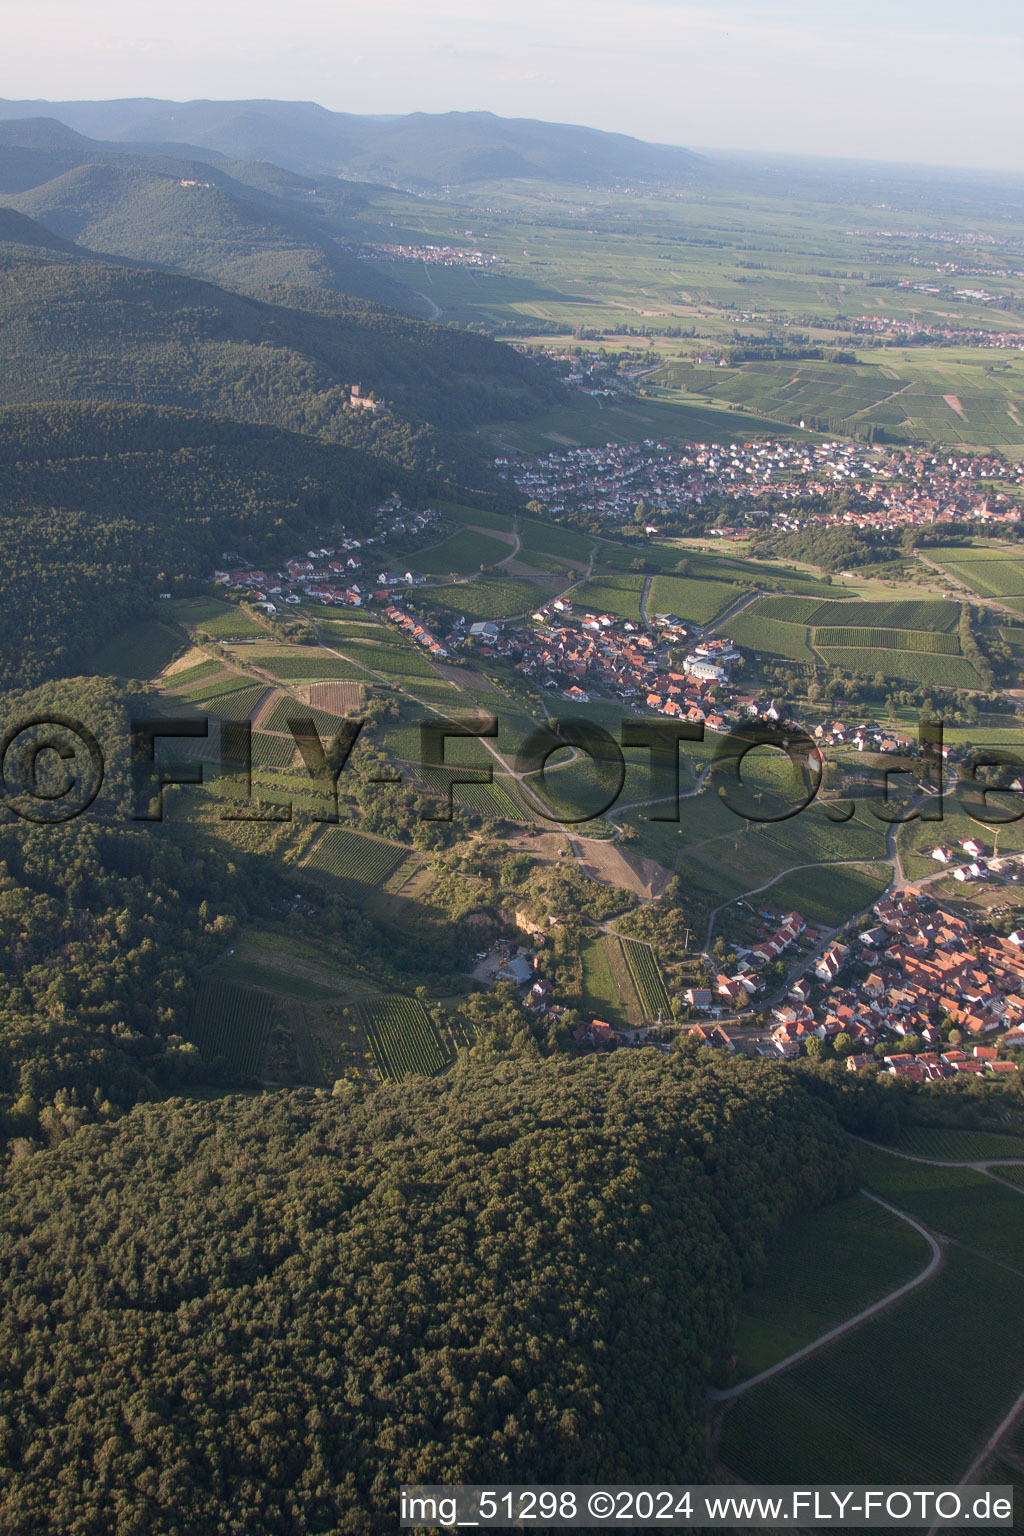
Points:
(904, 83)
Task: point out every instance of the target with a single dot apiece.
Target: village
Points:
(913, 990)
(886, 489)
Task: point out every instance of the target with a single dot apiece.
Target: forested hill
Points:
(103, 507)
(91, 331)
(270, 1313)
(193, 216)
(18, 229)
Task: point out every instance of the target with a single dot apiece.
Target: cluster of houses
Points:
(887, 488)
(342, 575)
(414, 630)
(915, 966)
(775, 936)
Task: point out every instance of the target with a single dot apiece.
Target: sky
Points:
(908, 80)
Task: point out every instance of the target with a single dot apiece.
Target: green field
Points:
(829, 895)
(956, 1202)
(232, 1022)
(768, 636)
(909, 1396)
(461, 554)
(930, 641)
(926, 613)
(824, 1267)
(987, 570)
(895, 1377)
(488, 598)
(904, 666)
(691, 597)
(607, 593)
(402, 1037)
(309, 666)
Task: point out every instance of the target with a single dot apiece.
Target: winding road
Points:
(726, 1394)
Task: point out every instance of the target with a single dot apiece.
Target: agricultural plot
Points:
(610, 989)
(237, 705)
(770, 637)
(394, 659)
(353, 858)
(491, 598)
(956, 1202)
(336, 698)
(192, 677)
(290, 709)
(875, 1405)
(697, 600)
(647, 977)
(551, 539)
(828, 895)
(461, 554)
(272, 751)
(403, 1038)
(608, 593)
(958, 1146)
(989, 572)
(231, 1022)
(228, 682)
(297, 666)
(930, 671)
(230, 623)
(931, 641)
(490, 800)
(924, 613)
(786, 610)
(864, 1250)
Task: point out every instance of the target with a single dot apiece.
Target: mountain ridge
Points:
(418, 150)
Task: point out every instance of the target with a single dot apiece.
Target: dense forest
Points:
(263, 1315)
(104, 507)
(87, 330)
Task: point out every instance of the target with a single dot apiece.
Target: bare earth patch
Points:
(193, 657)
(264, 708)
(336, 698)
(953, 401)
(604, 861)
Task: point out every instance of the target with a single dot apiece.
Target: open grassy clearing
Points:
(608, 990)
(824, 1267)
